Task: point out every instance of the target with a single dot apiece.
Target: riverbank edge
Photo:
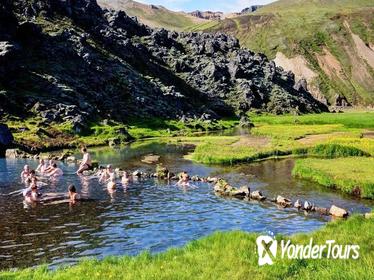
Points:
(108, 135)
(343, 179)
(229, 255)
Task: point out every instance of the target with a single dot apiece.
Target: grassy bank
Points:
(349, 119)
(319, 135)
(31, 132)
(352, 175)
(230, 255)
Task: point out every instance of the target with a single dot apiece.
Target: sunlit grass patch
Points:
(294, 131)
(353, 175)
(348, 119)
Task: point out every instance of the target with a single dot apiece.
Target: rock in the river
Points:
(307, 206)
(137, 173)
(257, 195)
(298, 204)
(321, 210)
(282, 201)
(241, 192)
(338, 212)
(151, 159)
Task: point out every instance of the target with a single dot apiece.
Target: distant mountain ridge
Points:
(153, 15)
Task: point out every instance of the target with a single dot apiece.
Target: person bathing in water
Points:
(55, 171)
(25, 173)
(107, 174)
(73, 195)
(41, 167)
(49, 166)
(86, 163)
(32, 194)
(184, 179)
(125, 178)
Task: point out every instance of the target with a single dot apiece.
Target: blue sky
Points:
(212, 5)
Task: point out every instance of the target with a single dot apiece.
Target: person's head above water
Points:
(72, 189)
(32, 172)
(109, 167)
(54, 165)
(34, 187)
(26, 168)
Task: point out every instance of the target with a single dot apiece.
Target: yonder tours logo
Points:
(267, 248)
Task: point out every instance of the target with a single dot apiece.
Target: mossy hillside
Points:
(231, 255)
(307, 28)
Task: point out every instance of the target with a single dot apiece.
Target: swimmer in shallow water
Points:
(41, 167)
(184, 179)
(32, 195)
(49, 166)
(107, 174)
(55, 171)
(125, 178)
(73, 195)
(25, 173)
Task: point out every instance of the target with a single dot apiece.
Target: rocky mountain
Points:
(329, 43)
(152, 15)
(71, 61)
(250, 9)
(207, 15)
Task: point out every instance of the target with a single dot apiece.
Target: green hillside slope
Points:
(152, 15)
(329, 42)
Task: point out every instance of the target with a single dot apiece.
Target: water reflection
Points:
(147, 214)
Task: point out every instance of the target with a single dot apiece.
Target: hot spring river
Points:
(151, 215)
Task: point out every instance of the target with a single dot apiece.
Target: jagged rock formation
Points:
(71, 61)
(327, 42)
(207, 15)
(250, 9)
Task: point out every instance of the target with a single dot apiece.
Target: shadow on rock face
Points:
(6, 139)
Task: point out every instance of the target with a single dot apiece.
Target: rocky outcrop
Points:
(207, 15)
(250, 9)
(71, 61)
(6, 139)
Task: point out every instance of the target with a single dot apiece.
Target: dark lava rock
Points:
(6, 139)
(80, 63)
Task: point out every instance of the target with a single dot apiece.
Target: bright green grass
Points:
(348, 119)
(294, 131)
(341, 136)
(353, 175)
(228, 256)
